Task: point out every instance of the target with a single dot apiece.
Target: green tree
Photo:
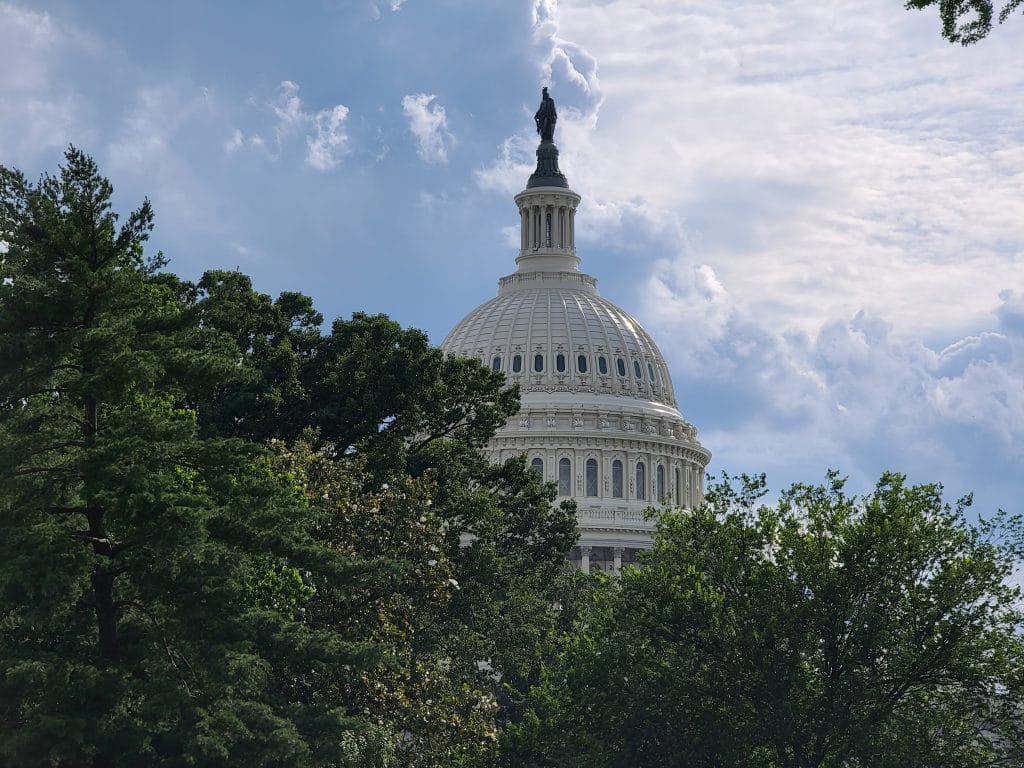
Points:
(967, 21)
(152, 580)
(828, 630)
(383, 400)
(265, 397)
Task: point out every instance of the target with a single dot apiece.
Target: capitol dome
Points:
(599, 416)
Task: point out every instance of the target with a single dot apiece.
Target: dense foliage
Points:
(827, 630)
(227, 538)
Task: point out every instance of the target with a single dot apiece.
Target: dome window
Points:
(581, 363)
(538, 363)
(620, 365)
(537, 465)
(560, 362)
(517, 363)
(496, 363)
(641, 481)
(591, 477)
(602, 365)
(637, 369)
(617, 479)
(564, 477)
(650, 371)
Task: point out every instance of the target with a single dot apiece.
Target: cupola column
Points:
(547, 237)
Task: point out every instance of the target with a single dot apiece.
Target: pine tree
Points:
(151, 580)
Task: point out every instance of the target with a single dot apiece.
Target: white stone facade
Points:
(599, 415)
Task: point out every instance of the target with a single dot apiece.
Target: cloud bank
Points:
(825, 210)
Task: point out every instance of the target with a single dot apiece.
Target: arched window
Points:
(679, 487)
(581, 363)
(617, 479)
(620, 365)
(591, 477)
(496, 363)
(659, 483)
(517, 364)
(650, 371)
(641, 481)
(560, 362)
(602, 366)
(637, 370)
(538, 363)
(564, 477)
(547, 229)
(537, 465)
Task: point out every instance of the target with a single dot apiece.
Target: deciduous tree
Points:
(967, 21)
(826, 630)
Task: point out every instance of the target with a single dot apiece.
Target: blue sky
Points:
(816, 209)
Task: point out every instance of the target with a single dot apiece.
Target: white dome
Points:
(552, 332)
(598, 414)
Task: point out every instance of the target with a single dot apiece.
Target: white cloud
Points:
(235, 142)
(330, 144)
(29, 40)
(327, 140)
(826, 204)
(428, 122)
(41, 109)
(287, 108)
(515, 163)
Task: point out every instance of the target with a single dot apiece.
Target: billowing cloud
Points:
(429, 124)
(822, 212)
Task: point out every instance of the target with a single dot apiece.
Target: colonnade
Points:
(617, 557)
(547, 226)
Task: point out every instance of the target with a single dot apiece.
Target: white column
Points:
(617, 558)
(585, 559)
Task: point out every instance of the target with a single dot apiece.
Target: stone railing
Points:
(631, 518)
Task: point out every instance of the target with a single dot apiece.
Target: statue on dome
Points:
(546, 117)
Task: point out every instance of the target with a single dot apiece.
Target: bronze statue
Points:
(546, 117)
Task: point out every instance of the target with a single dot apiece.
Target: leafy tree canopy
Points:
(828, 630)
